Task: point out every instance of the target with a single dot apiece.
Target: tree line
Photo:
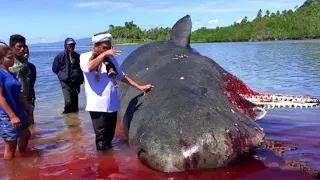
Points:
(302, 23)
(131, 33)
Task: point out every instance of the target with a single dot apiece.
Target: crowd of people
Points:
(98, 70)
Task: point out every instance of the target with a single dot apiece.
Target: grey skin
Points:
(186, 122)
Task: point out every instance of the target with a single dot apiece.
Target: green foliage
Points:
(308, 3)
(131, 33)
(299, 24)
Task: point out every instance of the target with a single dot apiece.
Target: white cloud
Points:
(208, 24)
(158, 6)
(274, 3)
(271, 4)
(214, 21)
(104, 4)
(90, 4)
(165, 6)
(198, 9)
(40, 40)
(239, 21)
(157, 1)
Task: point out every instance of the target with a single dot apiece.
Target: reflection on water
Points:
(62, 146)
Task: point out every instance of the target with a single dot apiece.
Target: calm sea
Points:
(62, 147)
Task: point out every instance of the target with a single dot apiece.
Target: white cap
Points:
(101, 38)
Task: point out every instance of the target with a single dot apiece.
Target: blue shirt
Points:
(11, 89)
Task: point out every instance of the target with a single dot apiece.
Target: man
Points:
(32, 77)
(102, 96)
(66, 66)
(20, 68)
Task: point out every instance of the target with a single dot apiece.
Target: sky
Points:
(42, 21)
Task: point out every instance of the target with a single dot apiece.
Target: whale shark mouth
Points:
(253, 103)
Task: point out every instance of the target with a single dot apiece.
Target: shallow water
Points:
(62, 147)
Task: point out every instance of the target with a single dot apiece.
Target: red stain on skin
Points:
(238, 143)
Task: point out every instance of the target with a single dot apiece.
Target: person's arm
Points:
(142, 88)
(80, 77)
(6, 108)
(94, 63)
(33, 73)
(126, 79)
(25, 104)
(56, 65)
(21, 73)
(27, 107)
(25, 92)
(4, 105)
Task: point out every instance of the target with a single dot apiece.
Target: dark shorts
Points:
(8, 132)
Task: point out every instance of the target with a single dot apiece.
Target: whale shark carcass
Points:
(198, 115)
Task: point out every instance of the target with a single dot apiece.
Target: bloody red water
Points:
(60, 153)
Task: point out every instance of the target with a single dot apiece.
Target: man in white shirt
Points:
(101, 92)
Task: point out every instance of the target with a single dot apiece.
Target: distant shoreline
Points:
(122, 44)
(266, 40)
(142, 43)
(204, 42)
(128, 44)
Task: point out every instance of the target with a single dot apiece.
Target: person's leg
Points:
(75, 98)
(9, 135)
(75, 102)
(99, 126)
(31, 107)
(111, 127)
(67, 92)
(24, 140)
(9, 149)
(32, 123)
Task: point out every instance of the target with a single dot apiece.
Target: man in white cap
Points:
(110, 68)
(102, 96)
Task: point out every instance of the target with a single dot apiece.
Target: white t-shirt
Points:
(101, 96)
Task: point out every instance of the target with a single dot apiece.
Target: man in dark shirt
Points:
(32, 77)
(21, 69)
(66, 66)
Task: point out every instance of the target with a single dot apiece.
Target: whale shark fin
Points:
(181, 32)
